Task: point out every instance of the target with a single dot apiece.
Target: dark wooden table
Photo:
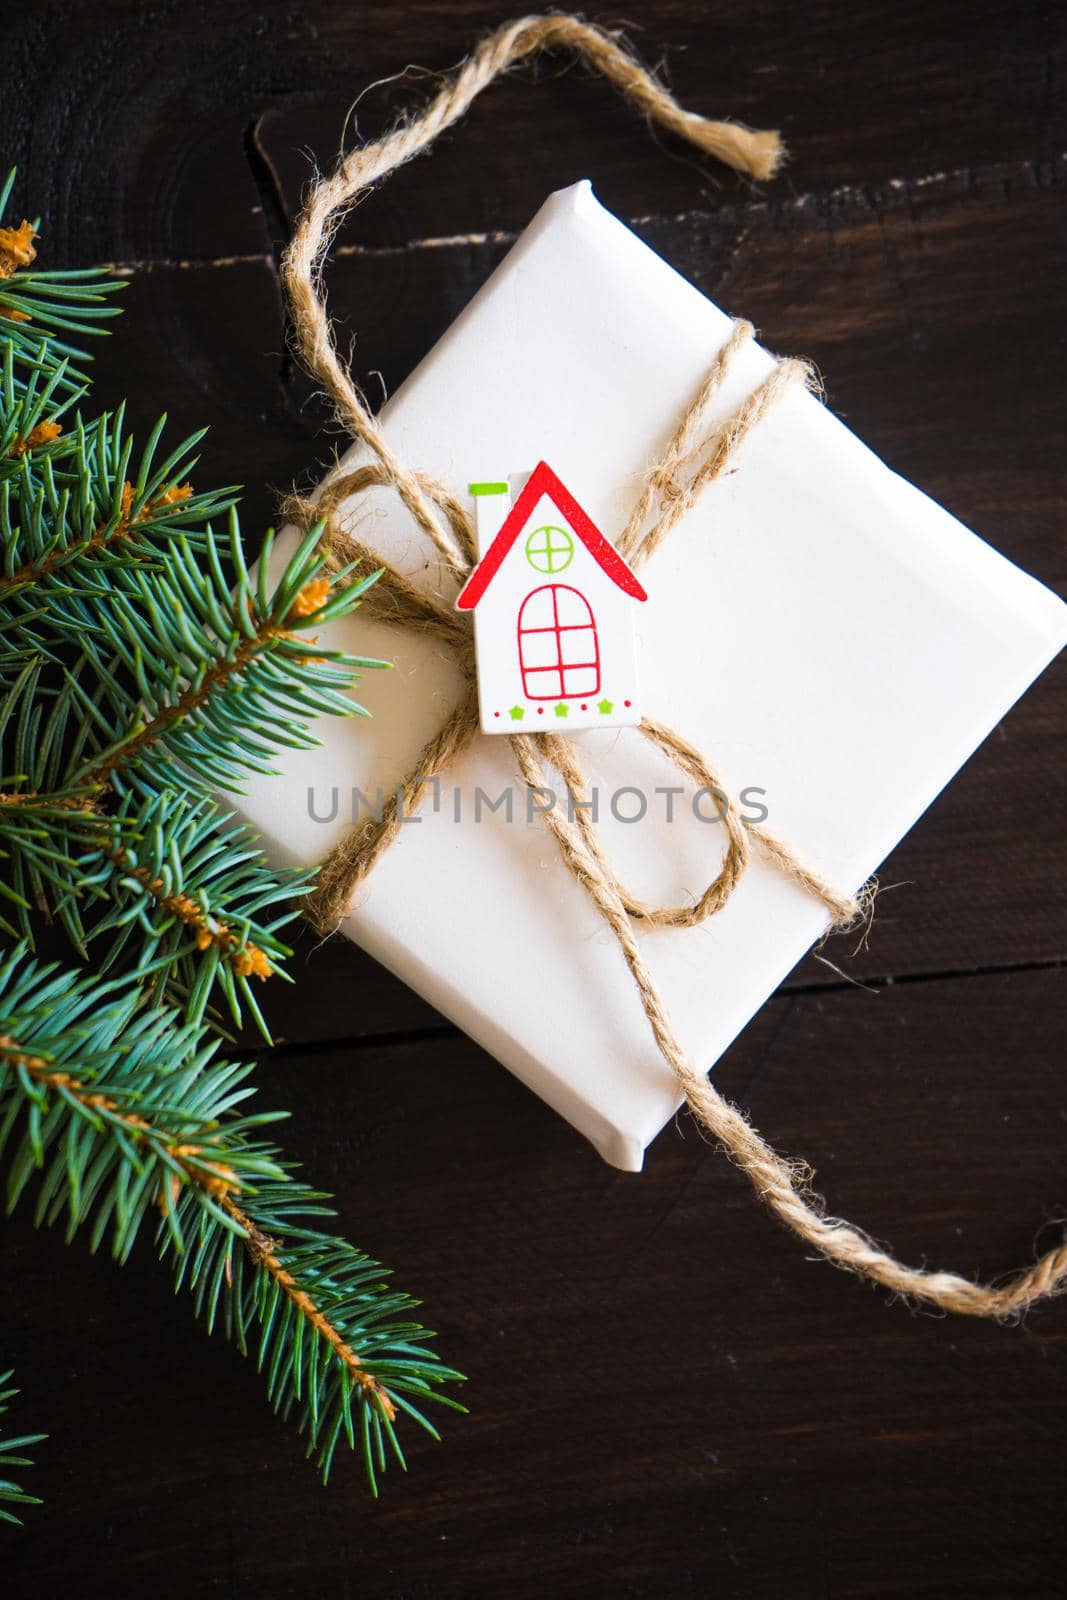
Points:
(667, 1399)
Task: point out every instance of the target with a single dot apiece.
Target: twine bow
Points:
(396, 600)
(694, 459)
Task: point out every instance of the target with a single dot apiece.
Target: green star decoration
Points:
(561, 710)
(605, 707)
(516, 713)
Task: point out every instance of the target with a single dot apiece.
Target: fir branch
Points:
(31, 410)
(219, 677)
(78, 510)
(173, 881)
(36, 307)
(123, 1112)
(44, 824)
(10, 1492)
(358, 1344)
(144, 665)
(174, 872)
(171, 872)
(122, 526)
(263, 1251)
(124, 1102)
(194, 887)
(111, 1115)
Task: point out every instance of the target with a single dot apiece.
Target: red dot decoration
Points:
(540, 711)
(585, 708)
(627, 702)
(496, 713)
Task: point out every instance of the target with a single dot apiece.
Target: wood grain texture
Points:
(668, 1400)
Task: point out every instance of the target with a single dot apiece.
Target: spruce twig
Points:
(10, 1492)
(145, 667)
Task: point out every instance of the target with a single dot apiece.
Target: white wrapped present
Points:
(832, 640)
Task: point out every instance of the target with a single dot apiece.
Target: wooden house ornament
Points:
(553, 618)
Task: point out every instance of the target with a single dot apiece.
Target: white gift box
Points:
(817, 627)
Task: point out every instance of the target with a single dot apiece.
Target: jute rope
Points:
(696, 456)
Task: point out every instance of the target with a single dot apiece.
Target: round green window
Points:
(550, 549)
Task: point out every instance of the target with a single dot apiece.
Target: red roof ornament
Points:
(543, 481)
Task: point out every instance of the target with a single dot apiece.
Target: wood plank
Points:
(904, 109)
(143, 138)
(667, 1398)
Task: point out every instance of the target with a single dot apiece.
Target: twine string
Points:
(396, 599)
(704, 452)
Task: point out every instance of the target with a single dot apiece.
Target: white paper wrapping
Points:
(816, 626)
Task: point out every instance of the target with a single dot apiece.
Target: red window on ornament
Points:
(559, 653)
